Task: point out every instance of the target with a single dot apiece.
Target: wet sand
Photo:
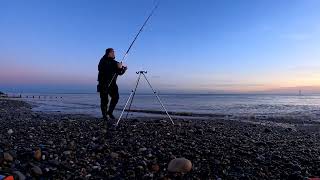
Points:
(61, 146)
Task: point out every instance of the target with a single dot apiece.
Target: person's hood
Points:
(108, 58)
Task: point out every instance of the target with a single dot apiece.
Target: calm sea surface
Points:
(307, 105)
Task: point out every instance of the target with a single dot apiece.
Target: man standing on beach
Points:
(109, 69)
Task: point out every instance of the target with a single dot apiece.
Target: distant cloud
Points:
(28, 75)
(297, 36)
(290, 34)
(295, 90)
(306, 70)
(265, 28)
(309, 68)
(232, 85)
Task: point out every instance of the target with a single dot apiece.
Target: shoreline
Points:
(275, 118)
(280, 120)
(81, 146)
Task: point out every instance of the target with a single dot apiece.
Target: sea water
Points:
(221, 104)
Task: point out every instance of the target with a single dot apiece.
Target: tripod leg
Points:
(134, 92)
(154, 92)
(124, 108)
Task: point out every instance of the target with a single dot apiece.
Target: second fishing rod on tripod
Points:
(134, 40)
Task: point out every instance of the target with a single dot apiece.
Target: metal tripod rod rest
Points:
(133, 91)
(131, 94)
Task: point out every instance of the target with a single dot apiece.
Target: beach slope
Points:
(61, 146)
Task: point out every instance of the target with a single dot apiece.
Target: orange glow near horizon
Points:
(273, 81)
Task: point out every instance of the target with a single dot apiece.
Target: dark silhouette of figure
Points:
(109, 68)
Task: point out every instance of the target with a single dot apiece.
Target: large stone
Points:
(154, 168)
(7, 157)
(36, 171)
(142, 149)
(37, 155)
(67, 153)
(180, 165)
(114, 155)
(20, 175)
(10, 131)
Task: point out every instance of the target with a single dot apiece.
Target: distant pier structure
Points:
(300, 92)
(20, 95)
(43, 97)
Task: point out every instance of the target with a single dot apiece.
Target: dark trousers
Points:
(104, 97)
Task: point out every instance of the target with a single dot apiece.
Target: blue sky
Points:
(188, 46)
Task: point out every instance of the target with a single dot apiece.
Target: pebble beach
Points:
(36, 145)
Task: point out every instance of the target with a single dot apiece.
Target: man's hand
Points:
(120, 65)
(122, 69)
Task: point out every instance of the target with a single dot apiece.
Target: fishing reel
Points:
(124, 68)
(141, 72)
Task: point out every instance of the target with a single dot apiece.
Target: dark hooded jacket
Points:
(107, 68)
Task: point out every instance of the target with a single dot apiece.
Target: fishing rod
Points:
(135, 38)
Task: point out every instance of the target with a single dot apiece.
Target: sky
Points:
(187, 46)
